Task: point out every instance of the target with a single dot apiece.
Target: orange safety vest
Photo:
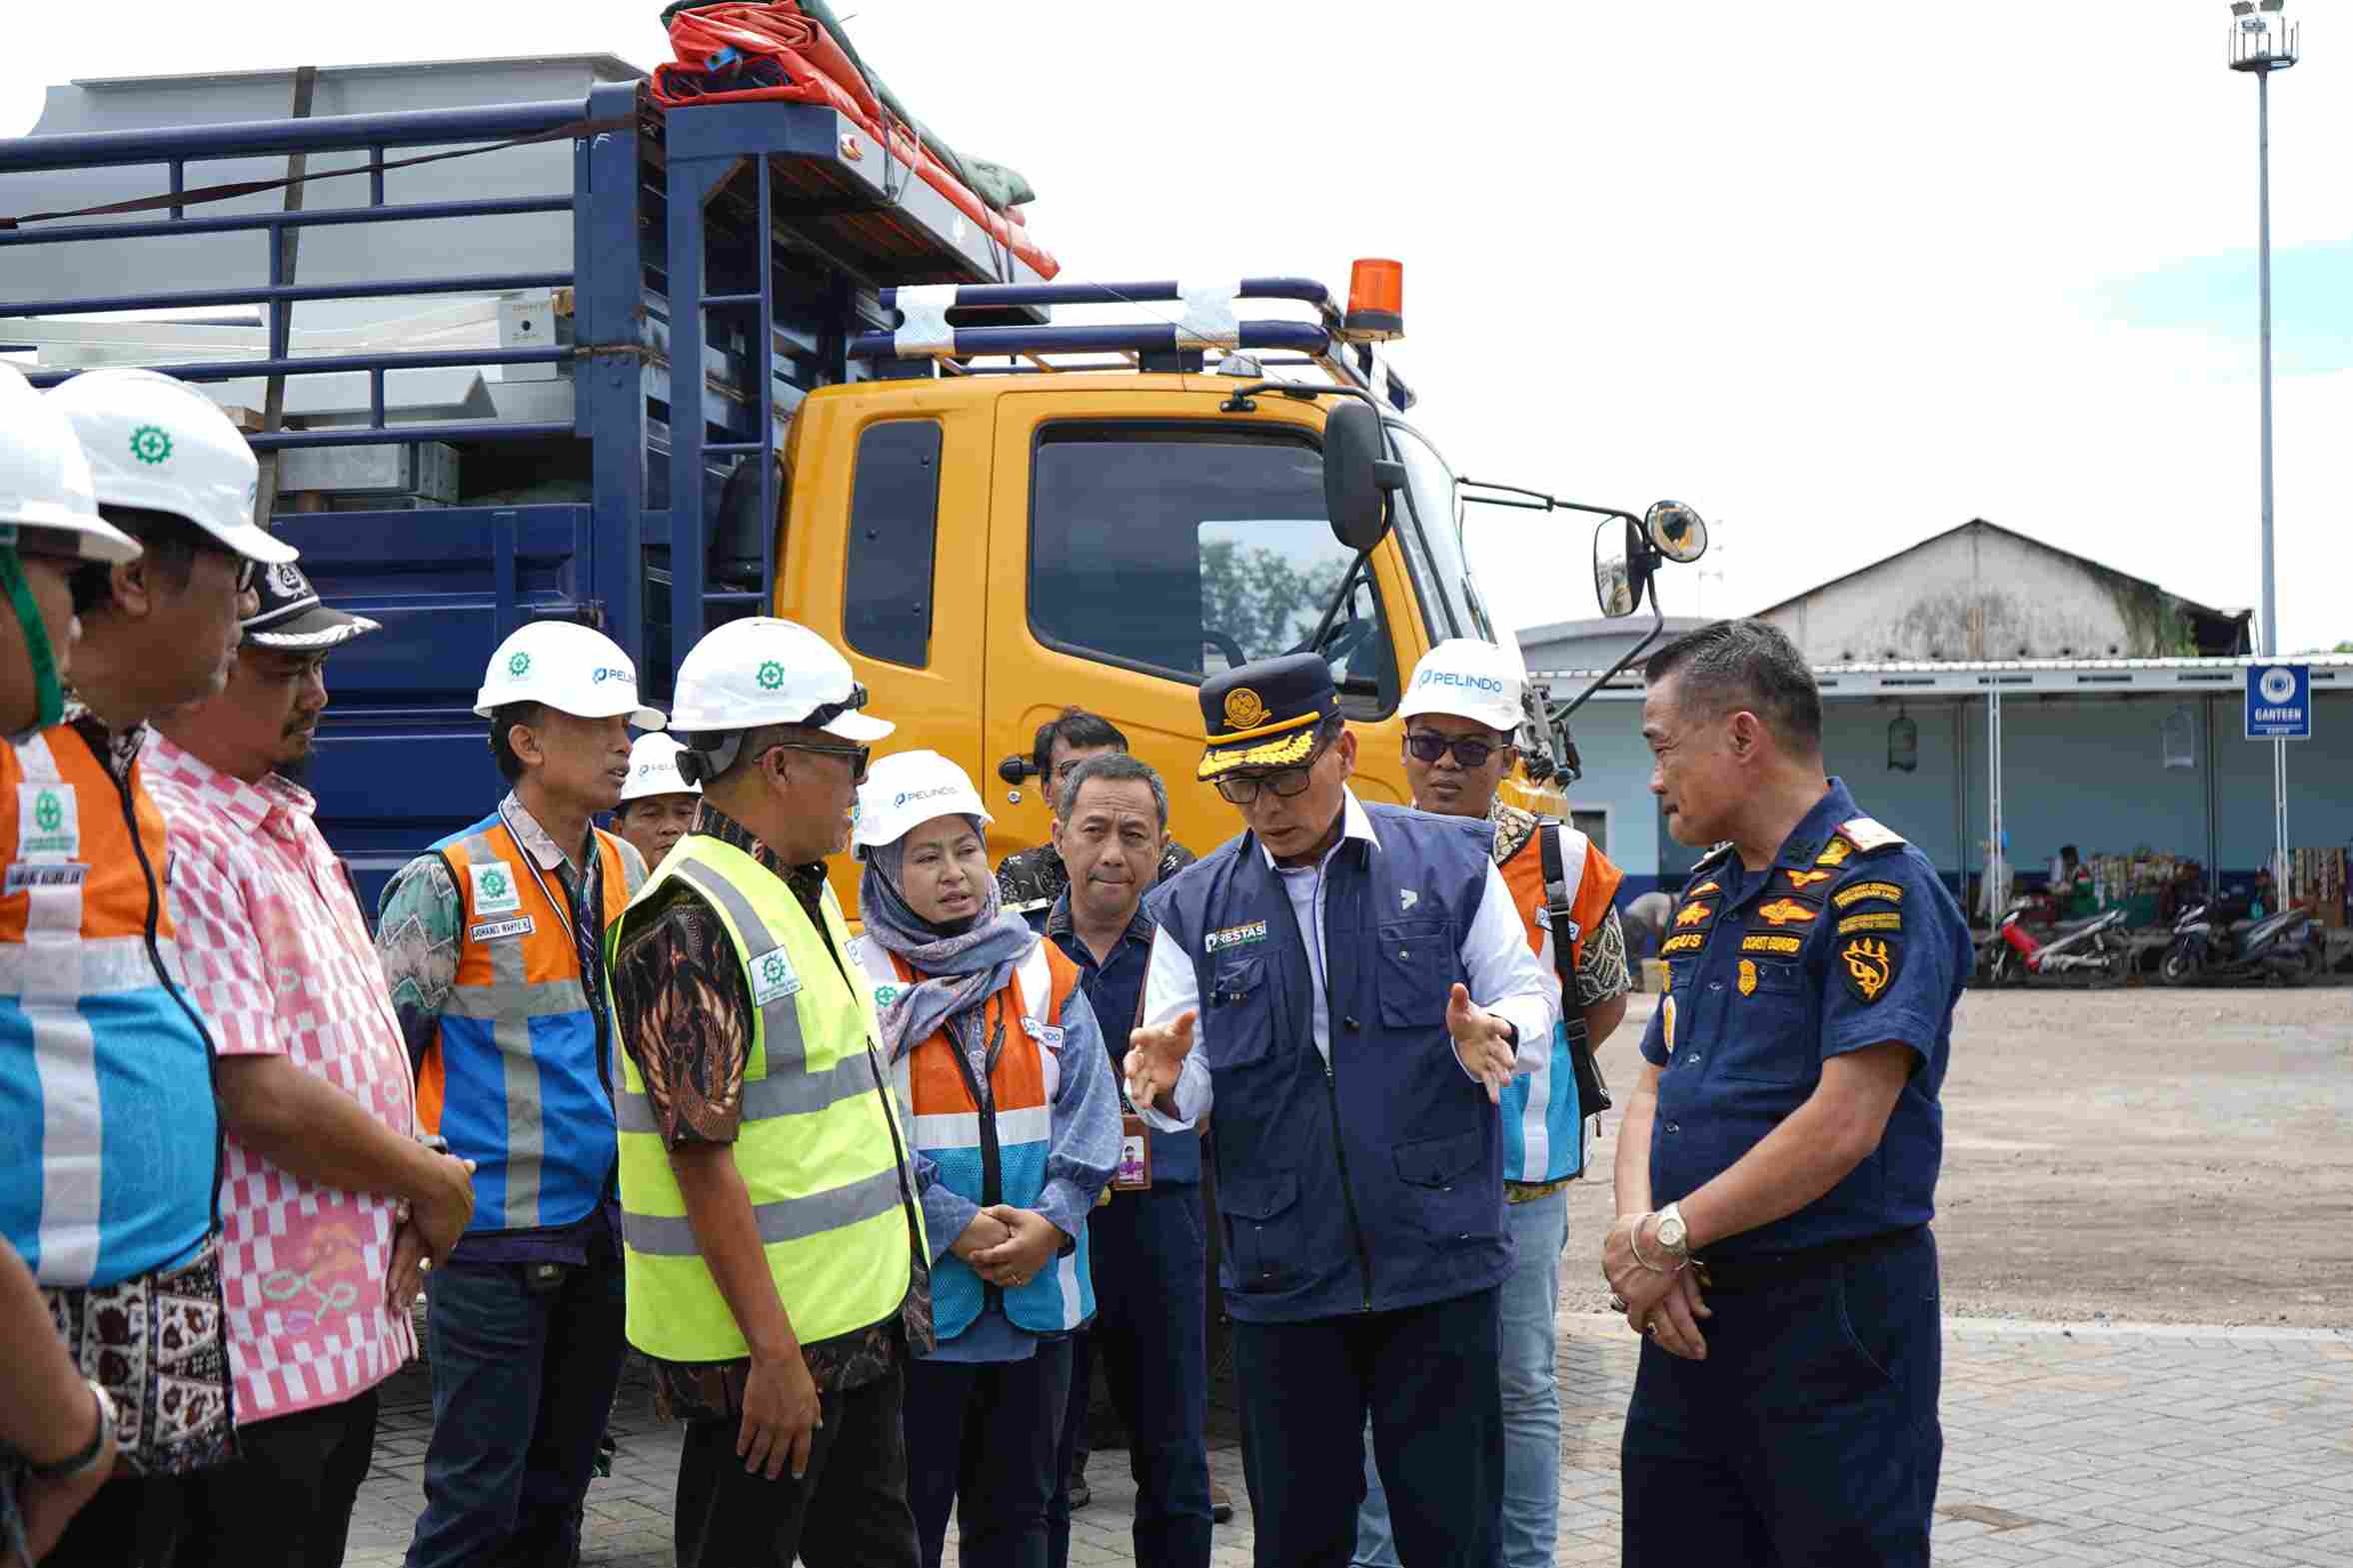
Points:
(1542, 1121)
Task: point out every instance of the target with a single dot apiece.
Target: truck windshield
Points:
(1432, 533)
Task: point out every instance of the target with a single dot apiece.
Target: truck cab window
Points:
(893, 528)
(1187, 549)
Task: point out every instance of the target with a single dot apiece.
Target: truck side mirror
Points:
(1358, 475)
(1621, 565)
(1676, 531)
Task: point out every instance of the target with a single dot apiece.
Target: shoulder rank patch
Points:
(1786, 911)
(1689, 941)
(1693, 915)
(1869, 835)
(1747, 977)
(1876, 920)
(1778, 946)
(1799, 881)
(1869, 966)
(1862, 892)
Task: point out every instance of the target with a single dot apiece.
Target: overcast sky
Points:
(1841, 277)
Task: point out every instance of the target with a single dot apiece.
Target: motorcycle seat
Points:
(2070, 928)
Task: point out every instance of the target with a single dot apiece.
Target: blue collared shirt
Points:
(1115, 987)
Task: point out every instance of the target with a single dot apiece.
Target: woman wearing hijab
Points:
(1015, 1125)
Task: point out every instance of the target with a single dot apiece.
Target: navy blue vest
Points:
(1379, 1184)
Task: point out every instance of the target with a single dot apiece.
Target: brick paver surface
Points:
(2123, 1445)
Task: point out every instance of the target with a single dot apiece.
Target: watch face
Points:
(1670, 1231)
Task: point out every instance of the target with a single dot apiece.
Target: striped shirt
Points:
(279, 964)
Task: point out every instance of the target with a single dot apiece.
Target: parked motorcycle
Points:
(2210, 947)
(2088, 951)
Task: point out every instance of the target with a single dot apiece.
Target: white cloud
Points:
(1826, 274)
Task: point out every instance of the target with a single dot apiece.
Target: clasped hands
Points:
(1006, 1246)
(1483, 1044)
(1659, 1293)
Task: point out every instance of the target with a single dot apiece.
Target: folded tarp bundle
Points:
(795, 51)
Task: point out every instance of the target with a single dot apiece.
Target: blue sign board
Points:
(2279, 703)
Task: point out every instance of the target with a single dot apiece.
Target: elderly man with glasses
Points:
(1314, 978)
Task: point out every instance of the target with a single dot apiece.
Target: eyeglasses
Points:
(1285, 782)
(857, 754)
(1427, 745)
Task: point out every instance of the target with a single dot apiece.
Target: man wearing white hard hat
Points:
(777, 1273)
(117, 1070)
(491, 944)
(49, 524)
(1460, 708)
(656, 806)
(1002, 1063)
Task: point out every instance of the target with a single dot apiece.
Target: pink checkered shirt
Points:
(279, 961)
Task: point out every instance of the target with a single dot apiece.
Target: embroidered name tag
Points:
(1235, 937)
(491, 930)
(48, 822)
(1786, 946)
(773, 978)
(494, 888)
(1885, 892)
(1047, 1035)
(1689, 941)
(1884, 920)
(24, 878)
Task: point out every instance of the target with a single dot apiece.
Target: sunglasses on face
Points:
(1427, 745)
(859, 754)
(1285, 782)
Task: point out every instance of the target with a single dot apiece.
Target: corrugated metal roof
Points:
(2090, 676)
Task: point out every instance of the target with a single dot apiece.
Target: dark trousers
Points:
(849, 1510)
(523, 1381)
(1428, 1377)
(1808, 1435)
(285, 1501)
(982, 1438)
(132, 1522)
(1077, 1443)
(1150, 1340)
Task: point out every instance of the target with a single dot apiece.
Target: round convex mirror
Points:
(1676, 531)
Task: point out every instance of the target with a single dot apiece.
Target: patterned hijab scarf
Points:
(961, 969)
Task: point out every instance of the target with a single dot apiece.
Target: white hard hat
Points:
(907, 788)
(45, 478)
(161, 445)
(653, 769)
(763, 671)
(1478, 680)
(570, 669)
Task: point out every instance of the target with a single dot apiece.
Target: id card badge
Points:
(1133, 1173)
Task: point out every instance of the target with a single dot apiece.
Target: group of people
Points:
(867, 1205)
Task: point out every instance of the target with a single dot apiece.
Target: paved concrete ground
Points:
(2069, 1447)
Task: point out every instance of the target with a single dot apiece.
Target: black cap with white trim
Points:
(294, 618)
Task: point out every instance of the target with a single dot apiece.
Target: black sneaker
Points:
(1080, 1493)
(1220, 1504)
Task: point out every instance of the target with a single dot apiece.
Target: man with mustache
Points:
(319, 1265)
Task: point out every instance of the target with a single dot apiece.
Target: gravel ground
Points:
(2138, 1155)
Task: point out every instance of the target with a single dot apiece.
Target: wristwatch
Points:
(76, 1465)
(1673, 1235)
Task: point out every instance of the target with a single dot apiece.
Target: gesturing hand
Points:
(1034, 1241)
(1156, 1055)
(1483, 1041)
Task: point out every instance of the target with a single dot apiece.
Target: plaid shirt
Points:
(279, 964)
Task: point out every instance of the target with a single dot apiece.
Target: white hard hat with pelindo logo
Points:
(1472, 680)
(570, 669)
(45, 479)
(765, 670)
(161, 444)
(907, 788)
(653, 769)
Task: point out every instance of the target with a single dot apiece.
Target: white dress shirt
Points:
(1496, 956)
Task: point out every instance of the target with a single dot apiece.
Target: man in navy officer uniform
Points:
(1777, 1165)
(1313, 978)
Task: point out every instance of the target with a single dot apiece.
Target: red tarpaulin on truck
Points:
(782, 55)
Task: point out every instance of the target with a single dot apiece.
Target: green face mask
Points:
(49, 692)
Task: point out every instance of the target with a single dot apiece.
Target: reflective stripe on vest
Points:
(947, 1127)
(514, 1081)
(1543, 1125)
(105, 1076)
(819, 1147)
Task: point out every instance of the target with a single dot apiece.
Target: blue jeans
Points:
(1809, 1434)
(1531, 1400)
(523, 1381)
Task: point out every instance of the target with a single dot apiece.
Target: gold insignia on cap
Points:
(1244, 708)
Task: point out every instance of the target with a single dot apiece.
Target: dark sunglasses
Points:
(1285, 782)
(1427, 745)
(859, 754)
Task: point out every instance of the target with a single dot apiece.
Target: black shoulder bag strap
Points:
(1561, 917)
